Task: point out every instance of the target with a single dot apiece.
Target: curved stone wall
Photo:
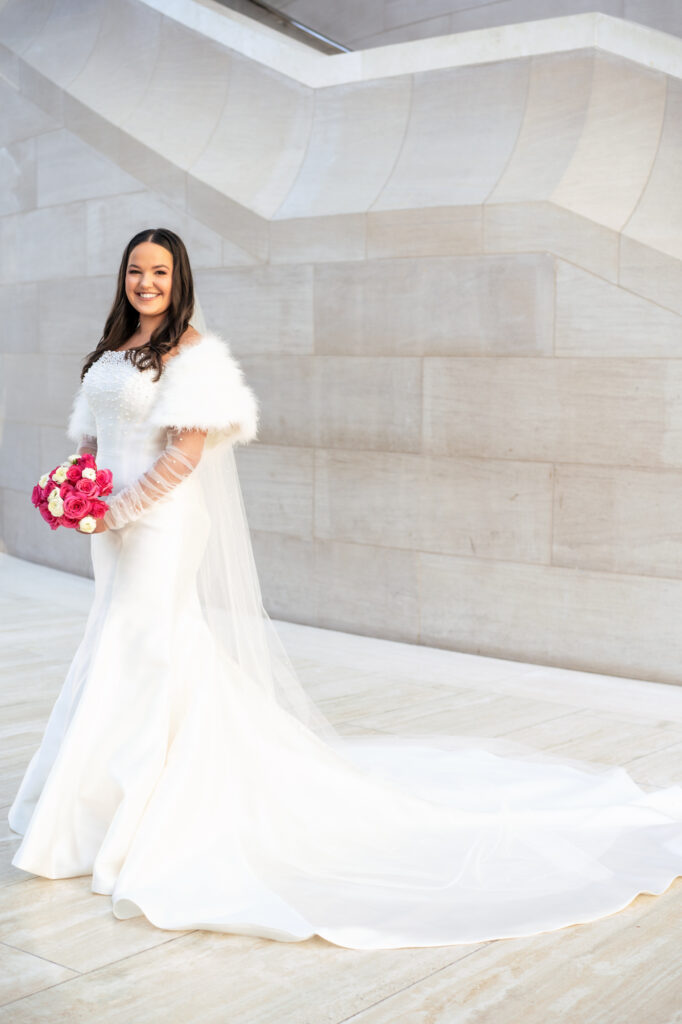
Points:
(451, 270)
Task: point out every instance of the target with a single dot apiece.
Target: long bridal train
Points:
(185, 767)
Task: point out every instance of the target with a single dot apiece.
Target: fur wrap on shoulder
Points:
(202, 386)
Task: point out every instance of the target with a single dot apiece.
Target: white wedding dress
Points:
(196, 798)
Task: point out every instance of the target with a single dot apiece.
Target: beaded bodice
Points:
(121, 398)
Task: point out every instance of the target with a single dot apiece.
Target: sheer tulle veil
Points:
(229, 587)
(232, 605)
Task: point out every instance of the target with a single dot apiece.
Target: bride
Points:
(187, 770)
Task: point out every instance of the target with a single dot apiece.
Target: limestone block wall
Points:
(451, 274)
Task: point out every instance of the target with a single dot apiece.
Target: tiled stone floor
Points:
(64, 957)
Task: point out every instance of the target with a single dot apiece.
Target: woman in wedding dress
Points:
(187, 770)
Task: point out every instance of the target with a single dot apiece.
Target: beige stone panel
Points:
(18, 175)
(465, 715)
(604, 739)
(40, 388)
(129, 154)
(234, 256)
(558, 95)
(482, 507)
(430, 231)
(20, 119)
(365, 402)
(318, 239)
(268, 981)
(21, 21)
(66, 40)
(285, 386)
(22, 974)
(597, 318)
(368, 497)
(286, 570)
(121, 63)
(112, 221)
(20, 457)
(264, 309)
(617, 147)
(9, 68)
(618, 519)
(71, 313)
(277, 485)
(25, 534)
(660, 768)
(150, 168)
(594, 972)
(40, 244)
(527, 227)
(657, 221)
(462, 129)
(245, 230)
(33, 914)
(573, 618)
(436, 305)
(19, 317)
(187, 91)
(41, 91)
(260, 138)
(367, 589)
(69, 170)
(356, 134)
(651, 273)
(622, 411)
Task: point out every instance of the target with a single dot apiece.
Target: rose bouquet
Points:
(71, 494)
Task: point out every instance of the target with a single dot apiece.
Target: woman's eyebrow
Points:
(164, 265)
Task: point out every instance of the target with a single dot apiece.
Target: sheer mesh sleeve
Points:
(88, 445)
(178, 459)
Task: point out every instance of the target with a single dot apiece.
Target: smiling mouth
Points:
(146, 296)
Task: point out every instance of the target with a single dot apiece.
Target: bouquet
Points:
(70, 495)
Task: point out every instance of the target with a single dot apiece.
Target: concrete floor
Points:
(64, 956)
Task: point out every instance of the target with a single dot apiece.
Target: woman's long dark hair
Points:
(123, 318)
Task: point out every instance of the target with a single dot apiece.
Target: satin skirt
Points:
(193, 800)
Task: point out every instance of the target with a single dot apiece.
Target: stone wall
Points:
(454, 288)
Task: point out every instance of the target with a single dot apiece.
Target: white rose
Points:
(59, 475)
(87, 524)
(56, 506)
(54, 493)
(71, 459)
(89, 473)
(44, 479)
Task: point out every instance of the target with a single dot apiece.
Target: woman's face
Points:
(149, 277)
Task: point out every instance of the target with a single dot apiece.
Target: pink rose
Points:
(76, 505)
(87, 487)
(70, 523)
(86, 460)
(104, 479)
(98, 508)
(73, 473)
(37, 495)
(47, 515)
